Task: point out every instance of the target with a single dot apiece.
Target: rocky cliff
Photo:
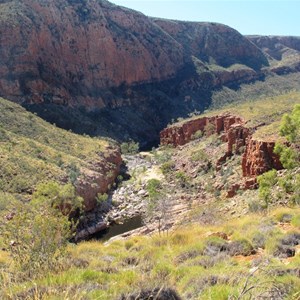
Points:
(98, 68)
(257, 156)
(99, 178)
(183, 133)
(283, 52)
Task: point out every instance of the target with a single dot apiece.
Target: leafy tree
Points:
(290, 129)
(130, 147)
(290, 159)
(157, 202)
(266, 181)
(290, 125)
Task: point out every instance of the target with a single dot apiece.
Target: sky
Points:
(264, 17)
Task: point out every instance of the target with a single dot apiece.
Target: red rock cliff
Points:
(183, 133)
(73, 52)
(259, 157)
(54, 51)
(99, 178)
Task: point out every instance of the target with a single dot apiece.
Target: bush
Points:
(153, 186)
(197, 135)
(167, 167)
(266, 181)
(130, 147)
(36, 238)
(62, 197)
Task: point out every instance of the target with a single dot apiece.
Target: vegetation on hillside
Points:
(286, 185)
(34, 151)
(257, 112)
(221, 248)
(242, 259)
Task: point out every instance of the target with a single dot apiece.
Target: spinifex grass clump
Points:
(195, 262)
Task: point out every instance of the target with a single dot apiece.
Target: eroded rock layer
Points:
(257, 156)
(101, 69)
(100, 178)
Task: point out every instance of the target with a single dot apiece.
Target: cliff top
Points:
(266, 112)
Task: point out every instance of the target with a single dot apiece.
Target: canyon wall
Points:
(98, 68)
(99, 178)
(257, 156)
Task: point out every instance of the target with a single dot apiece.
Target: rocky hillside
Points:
(246, 130)
(98, 68)
(33, 151)
(283, 52)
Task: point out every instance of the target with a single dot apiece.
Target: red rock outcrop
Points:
(259, 157)
(236, 137)
(183, 133)
(99, 178)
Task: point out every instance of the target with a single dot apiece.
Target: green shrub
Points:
(62, 197)
(101, 198)
(129, 147)
(197, 135)
(167, 167)
(36, 238)
(266, 181)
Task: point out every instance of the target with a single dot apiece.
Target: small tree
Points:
(266, 181)
(290, 155)
(36, 238)
(62, 197)
(129, 147)
(157, 205)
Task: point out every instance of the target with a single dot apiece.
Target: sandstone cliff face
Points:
(99, 178)
(183, 133)
(72, 52)
(68, 51)
(283, 52)
(259, 157)
(277, 46)
(212, 41)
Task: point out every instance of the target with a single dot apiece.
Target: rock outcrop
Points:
(259, 157)
(99, 178)
(183, 133)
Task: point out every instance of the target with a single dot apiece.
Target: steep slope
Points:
(283, 52)
(101, 69)
(33, 151)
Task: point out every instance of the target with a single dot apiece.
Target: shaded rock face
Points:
(100, 178)
(259, 157)
(98, 68)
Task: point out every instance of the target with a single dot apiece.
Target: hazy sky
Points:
(266, 17)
